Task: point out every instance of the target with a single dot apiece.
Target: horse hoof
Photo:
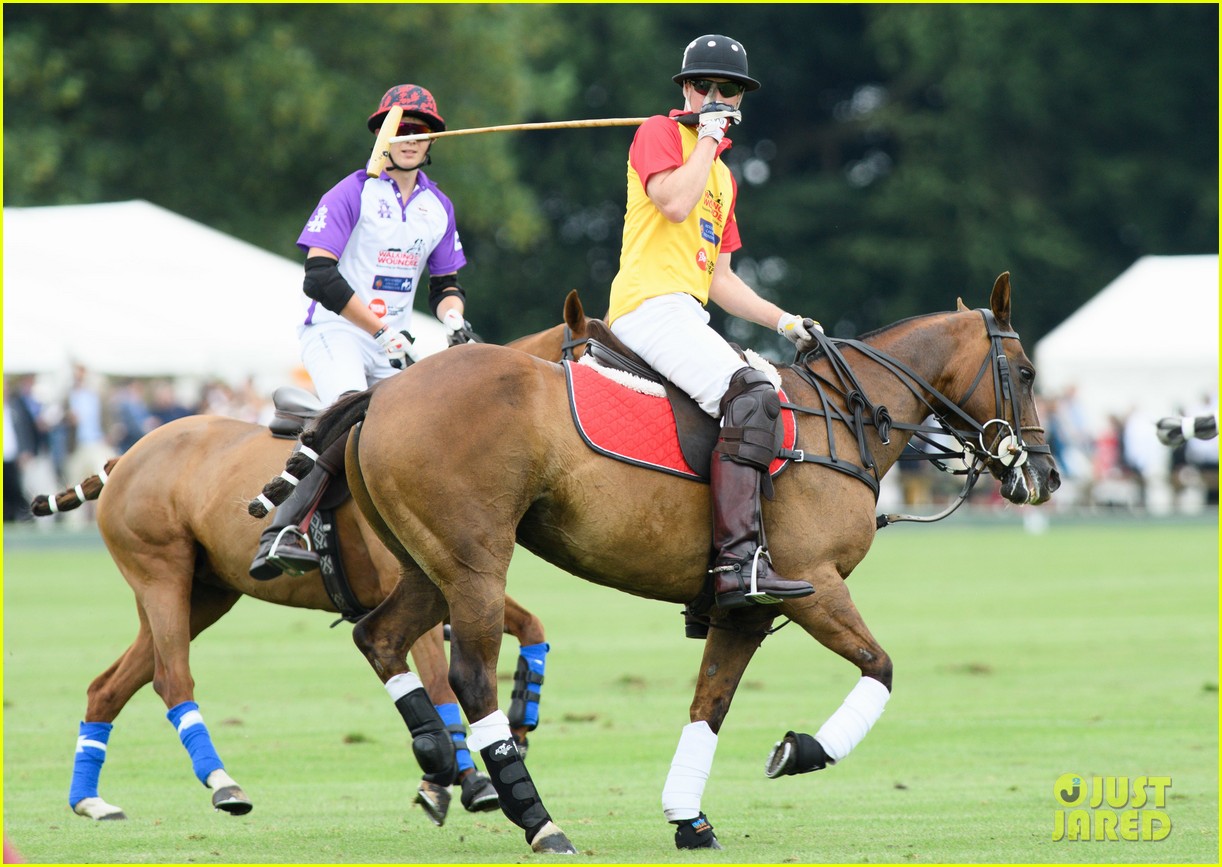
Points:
(435, 800)
(551, 841)
(232, 800)
(478, 795)
(695, 834)
(98, 810)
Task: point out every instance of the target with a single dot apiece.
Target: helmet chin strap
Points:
(427, 161)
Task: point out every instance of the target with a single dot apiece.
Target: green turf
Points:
(1091, 649)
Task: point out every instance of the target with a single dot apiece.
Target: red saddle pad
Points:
(638, 428)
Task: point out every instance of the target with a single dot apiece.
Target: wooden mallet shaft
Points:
(512, 127)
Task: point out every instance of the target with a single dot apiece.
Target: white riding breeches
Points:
(672, 333)
(340, 358)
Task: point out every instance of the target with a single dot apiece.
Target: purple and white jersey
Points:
(383, 242)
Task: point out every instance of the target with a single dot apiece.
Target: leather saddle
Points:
(697, 430)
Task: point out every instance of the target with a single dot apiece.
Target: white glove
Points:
(397, 345)
(458, 330)
(799, 331)
(713, 125)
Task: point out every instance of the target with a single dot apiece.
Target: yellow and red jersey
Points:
(659, 257)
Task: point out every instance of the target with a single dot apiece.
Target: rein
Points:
(1005, 447)
(570, 343)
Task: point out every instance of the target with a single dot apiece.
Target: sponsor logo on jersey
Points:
(702, 259)
(708, 233)
(396, 258)
(378, 307)
(715, 207)
(392, 284)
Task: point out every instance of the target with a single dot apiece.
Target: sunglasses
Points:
(413, 129)
(726, 88)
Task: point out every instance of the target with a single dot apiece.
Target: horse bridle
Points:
(1008, 450)
(1005, 448)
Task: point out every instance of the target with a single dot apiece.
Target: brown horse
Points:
(170, 515)
(519, 472)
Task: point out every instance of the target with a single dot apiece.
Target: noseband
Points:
(1007, 447)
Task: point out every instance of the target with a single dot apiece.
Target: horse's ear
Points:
(1000, 302)
(574, 313)
(960, 306)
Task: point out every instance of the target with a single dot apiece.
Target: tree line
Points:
(897, 156)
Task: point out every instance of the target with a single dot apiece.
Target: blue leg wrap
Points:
(453, 721)
(87, 766)
(187, 719)
(527, 683)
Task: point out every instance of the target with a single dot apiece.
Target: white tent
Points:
(131, 289)
(1146, 343)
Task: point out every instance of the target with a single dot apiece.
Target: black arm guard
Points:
(443, 287)
(325, 284)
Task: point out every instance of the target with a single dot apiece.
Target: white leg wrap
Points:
(849, 724)
(401, 684)
(689, 771)
(218, 779)
(490, 730)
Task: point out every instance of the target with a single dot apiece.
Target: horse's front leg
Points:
(832, 618)
(727, 650)
(477, 618)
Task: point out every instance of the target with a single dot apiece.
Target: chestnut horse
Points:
(170, 514)
(513, 469)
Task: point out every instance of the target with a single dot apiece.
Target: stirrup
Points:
(748, 593)
(286, 562)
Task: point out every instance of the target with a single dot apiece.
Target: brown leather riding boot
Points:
(742, 570)
(282, 547)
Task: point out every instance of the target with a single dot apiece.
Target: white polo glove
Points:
(397, 345)
(799, 331)
(458, 330)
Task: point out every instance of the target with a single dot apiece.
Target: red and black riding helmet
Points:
(415, 102)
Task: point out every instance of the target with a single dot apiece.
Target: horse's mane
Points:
(884, 329)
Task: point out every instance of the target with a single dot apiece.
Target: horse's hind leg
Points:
(403, 620)
(832, 618)
(107, 696)
(477, 618)
(478, 795)
(528, 676)
(110, 692)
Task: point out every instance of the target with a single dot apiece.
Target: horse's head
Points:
(566, 341)
(1001, 398)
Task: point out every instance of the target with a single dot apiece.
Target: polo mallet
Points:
(380, 154)
(513, 127)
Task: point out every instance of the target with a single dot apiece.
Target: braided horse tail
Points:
(74, 497)
(326, 428)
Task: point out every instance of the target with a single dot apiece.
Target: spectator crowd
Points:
(54, 438)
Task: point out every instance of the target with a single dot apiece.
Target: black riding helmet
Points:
(715, 55)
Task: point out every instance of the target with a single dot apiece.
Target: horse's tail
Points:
(74, 497)
(326, 428)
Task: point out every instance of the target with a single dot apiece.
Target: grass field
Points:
(1089, 649)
